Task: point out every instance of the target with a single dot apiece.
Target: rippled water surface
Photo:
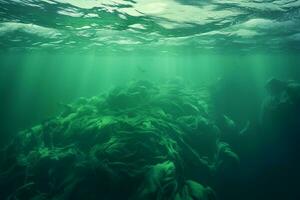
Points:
(151, 25)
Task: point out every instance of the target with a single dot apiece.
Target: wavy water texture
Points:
(129, 25)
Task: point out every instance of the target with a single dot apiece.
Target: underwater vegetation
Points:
(136, 142)
(143, 141)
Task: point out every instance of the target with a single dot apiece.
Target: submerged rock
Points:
(137, 142)
(281, 108)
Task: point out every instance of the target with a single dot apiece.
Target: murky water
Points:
(170, 99)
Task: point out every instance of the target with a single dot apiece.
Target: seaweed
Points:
(138, 141)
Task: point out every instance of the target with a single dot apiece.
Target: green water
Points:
(167, 99)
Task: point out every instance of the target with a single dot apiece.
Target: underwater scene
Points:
(149, 99)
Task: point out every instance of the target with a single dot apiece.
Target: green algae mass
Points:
(139, 141)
